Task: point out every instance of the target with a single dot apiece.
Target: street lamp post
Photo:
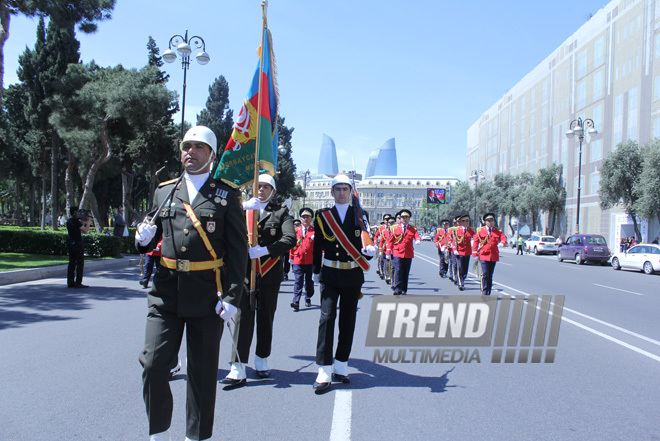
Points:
(577, 128)
(185, 47)
(475, 175)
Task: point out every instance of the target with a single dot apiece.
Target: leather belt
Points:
(339, 265)
(185, 266)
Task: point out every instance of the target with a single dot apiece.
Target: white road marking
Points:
(341, 416)
(617, 289)
(593, 331)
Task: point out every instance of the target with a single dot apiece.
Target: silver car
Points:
(538, 244)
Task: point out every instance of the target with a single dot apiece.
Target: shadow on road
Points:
(23, 304)
(370, 375)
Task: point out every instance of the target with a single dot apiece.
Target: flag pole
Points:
(255, 184)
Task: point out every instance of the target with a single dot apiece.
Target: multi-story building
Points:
(607, 71)
(379, 195)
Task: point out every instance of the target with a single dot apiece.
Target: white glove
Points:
(500, 245)
(316, 278)
(257, 252)
(291, 261)
(443, 248)
(312, 238)
(417, 242)
(225, 310)
(388, 256)
(252, 204)
(455, 253)
(145, 233)
(369, 250)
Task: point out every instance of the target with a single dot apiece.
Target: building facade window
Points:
(582, 64)
(633, 104)
(596, 148)
(599, 52)
(594, 183)
(598, 85)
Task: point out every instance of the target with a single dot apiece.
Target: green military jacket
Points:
(218, 208)
(276, 232)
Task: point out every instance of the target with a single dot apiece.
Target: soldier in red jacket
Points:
(450, 241)
(463, 248)
(441, 243)
(378, 237)
(303, 254)
(401, 243)
(386, 253)
(487, 240)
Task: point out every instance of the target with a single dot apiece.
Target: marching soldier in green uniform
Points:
(197, 287)
(276, 237)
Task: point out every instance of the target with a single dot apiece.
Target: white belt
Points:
(339, 265)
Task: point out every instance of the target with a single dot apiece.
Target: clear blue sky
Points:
(360, 71)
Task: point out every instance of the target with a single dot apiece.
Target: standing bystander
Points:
(77, 225)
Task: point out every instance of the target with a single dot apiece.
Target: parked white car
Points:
(538, 244)
(644, 257)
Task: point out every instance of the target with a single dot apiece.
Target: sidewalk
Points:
(27, 275)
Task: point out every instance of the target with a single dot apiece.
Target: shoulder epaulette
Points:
(171, 181)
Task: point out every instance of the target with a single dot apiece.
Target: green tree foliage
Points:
(217, 115)
(130, 102)
(41, 70)
(156, 60)
(619, 180)
(83, 13)
(285, 179)
(462, 201)
(552, 192)
(648, 202)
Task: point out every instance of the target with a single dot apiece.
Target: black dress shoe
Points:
(80, 285)
(320, 387)
(295, 306)
(234, 382)
(263, 374)
(461, 288)
(341, 378)
(308, 303)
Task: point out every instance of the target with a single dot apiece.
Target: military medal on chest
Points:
(221, 197)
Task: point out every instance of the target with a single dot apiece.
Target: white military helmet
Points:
(341, 179)
(201, 134)
(265, 178)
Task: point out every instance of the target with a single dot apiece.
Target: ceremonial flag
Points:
(237, 162)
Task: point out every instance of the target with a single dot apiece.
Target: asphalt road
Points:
(70, 366)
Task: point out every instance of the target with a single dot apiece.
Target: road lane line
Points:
(341, 416)
(604, 323)
(618, 289)
(612, 339)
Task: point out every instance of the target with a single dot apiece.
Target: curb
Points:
(47, 272)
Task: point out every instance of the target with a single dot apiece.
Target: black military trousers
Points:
(303, 274)
(453, 265)
(401, 267)
(444, 265)
(160, 354)
(245, 321)
(74, 275)
(487, 270)
(463, 266)
(337, 286)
